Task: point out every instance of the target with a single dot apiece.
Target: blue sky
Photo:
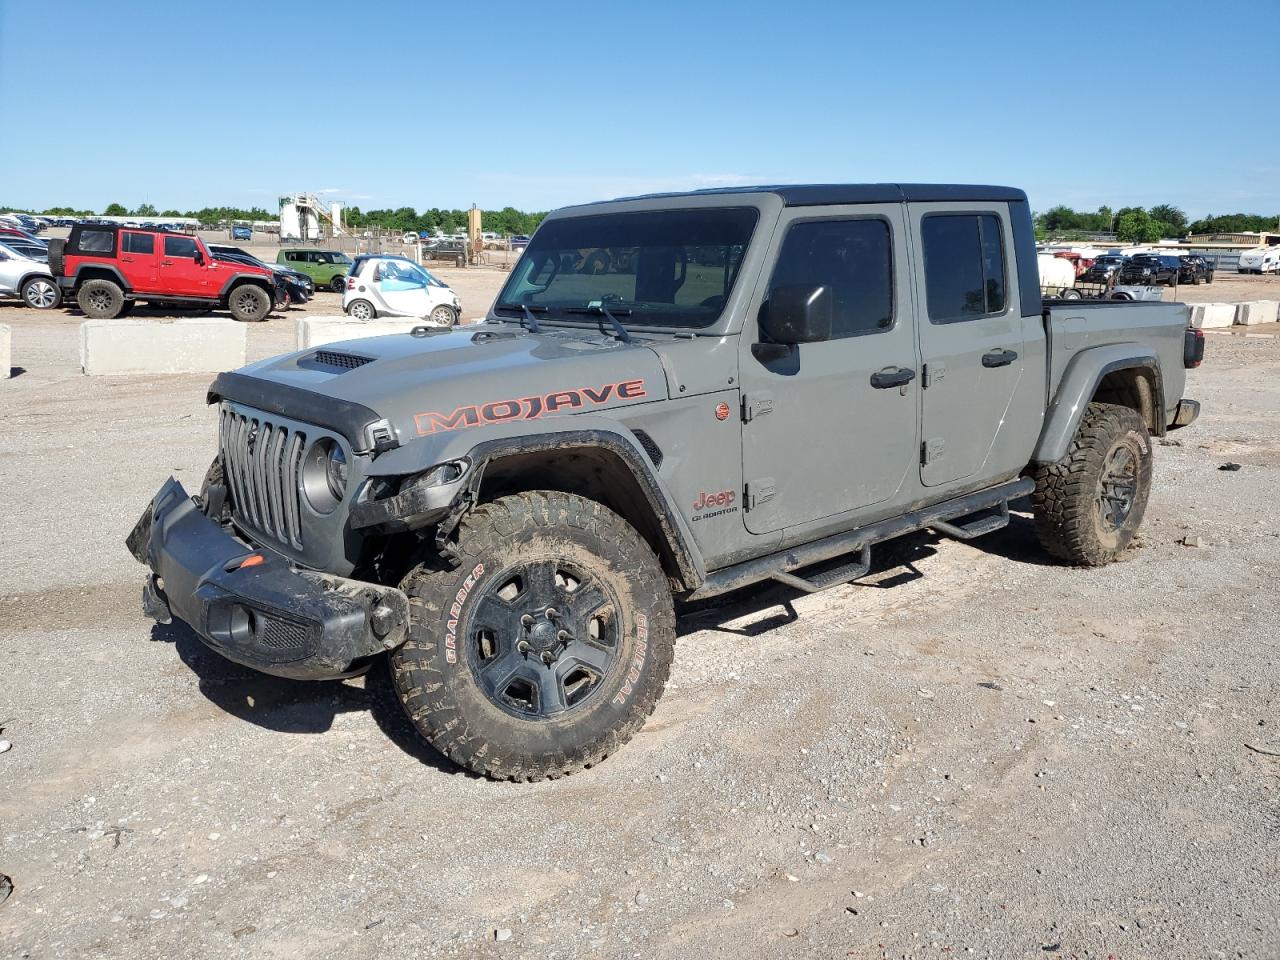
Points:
(190, 104)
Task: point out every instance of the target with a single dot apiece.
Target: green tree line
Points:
(508, 220)
(1142, 225)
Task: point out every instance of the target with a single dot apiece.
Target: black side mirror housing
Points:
(797, 314)
(198, 256)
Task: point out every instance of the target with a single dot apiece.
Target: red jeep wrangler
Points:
(108, 268)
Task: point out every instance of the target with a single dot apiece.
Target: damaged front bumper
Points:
(263, 613)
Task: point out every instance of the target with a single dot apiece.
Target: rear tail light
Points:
(1193, 348)
(351, 283)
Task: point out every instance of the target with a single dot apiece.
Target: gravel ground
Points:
(973, 752)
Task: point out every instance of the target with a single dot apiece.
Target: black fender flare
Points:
(110, 268)
(266, 282)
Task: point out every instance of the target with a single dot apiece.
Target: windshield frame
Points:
(768, 207)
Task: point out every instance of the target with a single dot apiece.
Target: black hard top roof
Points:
(822, 194)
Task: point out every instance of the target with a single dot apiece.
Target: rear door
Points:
(139, 259)
(971, 340)
(179, 273)
(827, 430)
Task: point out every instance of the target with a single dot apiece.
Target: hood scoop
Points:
(334, 359)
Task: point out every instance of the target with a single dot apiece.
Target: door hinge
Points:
(756, 405)
(757, 492)
(932, 450)
(933, 372)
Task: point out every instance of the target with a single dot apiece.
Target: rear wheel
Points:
(1089, 504)
(338, 284)
(41, 293)
(361, 310)
(547, 647)
(249, 304)
(100, 299)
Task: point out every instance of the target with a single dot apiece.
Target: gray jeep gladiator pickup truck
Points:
(672, 397)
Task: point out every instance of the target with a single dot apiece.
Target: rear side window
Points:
(852, 259)
(179, 247)
(138, 243)
(963, 266)
(97, 241)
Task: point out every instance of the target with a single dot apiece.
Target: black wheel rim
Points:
(1117, 487)
(543, 638)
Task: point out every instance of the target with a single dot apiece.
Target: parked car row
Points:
(1142, 269)
(108, 268)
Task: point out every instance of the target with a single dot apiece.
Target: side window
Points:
(852, 258)
(179, 247)
(138, 243)
(963, 266)
(97, 241)
(293, 256)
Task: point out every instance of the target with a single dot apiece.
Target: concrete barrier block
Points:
(1206, 315)
(317, 331)
(1256, 311)
(6, 351)
(185, 345)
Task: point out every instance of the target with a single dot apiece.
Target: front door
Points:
(970, 337)
(403, 288)
(830, 428)
(139, 259)
(179, 272)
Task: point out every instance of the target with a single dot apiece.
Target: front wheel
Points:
(249, 304)
(546, 648)
(41, 293)
(443, 316)
(1089, 504)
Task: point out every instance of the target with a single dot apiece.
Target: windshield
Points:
(403, 275)
(668, 268)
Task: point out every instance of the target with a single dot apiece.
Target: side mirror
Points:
(198, 256)
(797, 314)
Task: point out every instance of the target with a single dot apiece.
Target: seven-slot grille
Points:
(263, 462)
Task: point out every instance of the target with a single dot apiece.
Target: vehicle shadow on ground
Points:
(297, 706)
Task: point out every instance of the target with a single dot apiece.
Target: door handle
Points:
(127, 259)
(999, 358)
(166, 263)
(892, 377)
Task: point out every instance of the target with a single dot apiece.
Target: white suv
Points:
(398, 287)
(25, 276)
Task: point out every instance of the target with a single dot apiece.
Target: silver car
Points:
(25, 274)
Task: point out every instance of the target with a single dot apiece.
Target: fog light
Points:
(382, 619)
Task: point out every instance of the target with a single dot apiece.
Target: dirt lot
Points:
(974, 752)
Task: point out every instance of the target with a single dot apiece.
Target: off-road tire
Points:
(100, 299)
(41, 293)
(338, 284)
(1068, 499)
(362, 307)
(249, 303)
(436, 673)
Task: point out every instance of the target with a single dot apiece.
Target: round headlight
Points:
(336, 471)
(324, 475)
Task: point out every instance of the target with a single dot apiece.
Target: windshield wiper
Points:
(528, 314)
(600, 308)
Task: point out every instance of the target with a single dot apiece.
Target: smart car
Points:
(396, 287)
